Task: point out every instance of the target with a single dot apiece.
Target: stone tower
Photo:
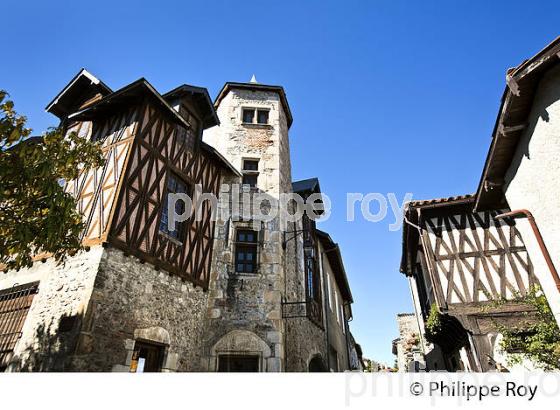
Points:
(251, 259)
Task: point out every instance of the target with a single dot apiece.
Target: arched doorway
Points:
(316, 364)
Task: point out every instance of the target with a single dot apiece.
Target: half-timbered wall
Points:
(474, 258)
(163, 147)
(95, 190)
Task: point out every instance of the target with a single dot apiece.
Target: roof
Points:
(201, 98)
(516, 104)
(306, 185)
(257, 87)
(432, 203)
(129, 93)
(83, 83)
(334, 256)
(132, 93)
(411, 235)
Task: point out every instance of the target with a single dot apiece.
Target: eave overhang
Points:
(201, 98)
(511, 122)
(334, 256)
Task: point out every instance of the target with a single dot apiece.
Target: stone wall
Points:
(334, 314)
(107, 302)
(532, 181)
(241, 304)
(408, 344)
(63, 297)
(134, 301)
(253, 302)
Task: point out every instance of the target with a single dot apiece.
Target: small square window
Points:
(248, 115)
(251, 165)
(250, 179)
(262, 116)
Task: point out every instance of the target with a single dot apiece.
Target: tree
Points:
(37, 216)
(538, 341)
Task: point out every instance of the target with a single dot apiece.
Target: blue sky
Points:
(387, 96)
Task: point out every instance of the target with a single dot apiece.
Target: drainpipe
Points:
(540, 240)
(326, 312)
(346, 332)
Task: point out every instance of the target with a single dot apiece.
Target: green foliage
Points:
(538, 341)
(36, 214)
(433, 324)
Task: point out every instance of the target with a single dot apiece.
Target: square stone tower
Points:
(252, 260)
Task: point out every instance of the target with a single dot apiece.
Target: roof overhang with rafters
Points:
(202, 99)
(134, 93)
(82, 83)
(511, 123)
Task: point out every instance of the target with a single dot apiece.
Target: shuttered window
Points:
(14, 306)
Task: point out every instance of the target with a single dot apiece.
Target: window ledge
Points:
(256, 125)
(246, 274)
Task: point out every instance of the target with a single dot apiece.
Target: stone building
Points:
(409, 346)
(271, 275)
(470, 259)
(228, 290)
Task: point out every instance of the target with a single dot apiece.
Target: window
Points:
(238, 363)
(329, 289)
(250, 179)
(250, 172)
(190, 118)
(262, 116)
(312, 278)
(251, 165)
(174, 186)
(14, 306)
(248, 115)
(146, 358)
(255, 116)
(246, 251)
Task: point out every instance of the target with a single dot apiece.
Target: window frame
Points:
(267, 111)
(246, 245)
(182, 226)
(254, 173)
(243, 110)
(255, 116)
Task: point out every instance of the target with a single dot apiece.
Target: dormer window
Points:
(255, 116)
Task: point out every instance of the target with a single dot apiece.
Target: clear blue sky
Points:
(387, 96)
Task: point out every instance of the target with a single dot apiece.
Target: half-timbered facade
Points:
(206, 293)
(121, 309)
(472, 268)
(462, 255)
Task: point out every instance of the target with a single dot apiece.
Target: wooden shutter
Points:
(14, 306)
